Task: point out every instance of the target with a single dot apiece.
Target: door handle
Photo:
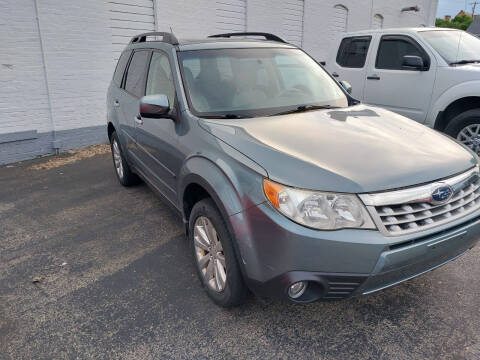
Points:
(138, 120)
(335, 74)
(373, 77)
(116, 103)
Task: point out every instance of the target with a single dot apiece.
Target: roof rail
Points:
(166, 37)
(267, 36)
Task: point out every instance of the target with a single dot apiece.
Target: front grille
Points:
(409, 214)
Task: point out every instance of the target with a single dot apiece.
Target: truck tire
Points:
(465, 127)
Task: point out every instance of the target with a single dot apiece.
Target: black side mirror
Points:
(346, 85)
(154, 106)
(323, 63)
(411, 62)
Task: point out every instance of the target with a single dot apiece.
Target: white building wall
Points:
(319, 29)
(55, 99)
(128, 18)
(78, 59)
(22, 82)
(187, 18)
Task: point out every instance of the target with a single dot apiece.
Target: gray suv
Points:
(287, 186)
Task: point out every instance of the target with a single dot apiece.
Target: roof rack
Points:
(167, 37)
(267, 36)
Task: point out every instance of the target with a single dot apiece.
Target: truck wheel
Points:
(122, 169)
(214, 255)
(465, 127)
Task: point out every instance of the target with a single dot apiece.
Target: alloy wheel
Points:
(470, 136)
(117, 159)
(209, 254)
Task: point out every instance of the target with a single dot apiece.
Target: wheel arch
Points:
(110, 130)
(461, 97)
(200, 178)
(456, 108)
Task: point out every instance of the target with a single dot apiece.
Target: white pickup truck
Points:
(431, 75)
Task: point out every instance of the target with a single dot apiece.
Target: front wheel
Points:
(465, 127)
(214, 255)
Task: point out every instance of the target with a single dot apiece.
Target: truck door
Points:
(392, 85)
(350, 63)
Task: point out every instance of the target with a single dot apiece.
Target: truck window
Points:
(353, 52)
(392, 49)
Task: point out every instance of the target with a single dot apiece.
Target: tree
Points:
(461, 22)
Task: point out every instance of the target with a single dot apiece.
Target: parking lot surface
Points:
(114, 279)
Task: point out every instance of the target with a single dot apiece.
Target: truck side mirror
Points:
(411, 62)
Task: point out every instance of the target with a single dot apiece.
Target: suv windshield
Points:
(454, 46)
(256, 82)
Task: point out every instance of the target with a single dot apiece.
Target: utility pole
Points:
(474, 5)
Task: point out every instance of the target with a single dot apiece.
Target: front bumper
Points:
(276, 252)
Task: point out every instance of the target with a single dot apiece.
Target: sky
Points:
(452, 7)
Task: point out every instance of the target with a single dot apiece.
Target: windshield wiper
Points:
(304, 108)
(226, 116)
(462, 62)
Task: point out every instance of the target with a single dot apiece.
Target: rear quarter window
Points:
(120, 69)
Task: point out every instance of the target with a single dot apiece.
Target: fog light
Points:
(297, 289)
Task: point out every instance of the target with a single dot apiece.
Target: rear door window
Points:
(353, 51)
(135, 82)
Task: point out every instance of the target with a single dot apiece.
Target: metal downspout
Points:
(42, 50)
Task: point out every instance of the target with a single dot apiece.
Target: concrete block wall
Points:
(56, 65)
(78, 60)
(23, 92)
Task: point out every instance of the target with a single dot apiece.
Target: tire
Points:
(460, 123)
(233, 292)
(122, 169)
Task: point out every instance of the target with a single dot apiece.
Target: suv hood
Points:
(355, 150)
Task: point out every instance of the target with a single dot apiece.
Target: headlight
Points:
(319, 210)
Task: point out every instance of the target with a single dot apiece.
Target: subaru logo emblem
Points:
(442, 194)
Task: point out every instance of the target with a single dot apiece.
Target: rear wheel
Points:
(465, 127)
(214, 255)
(122, 169)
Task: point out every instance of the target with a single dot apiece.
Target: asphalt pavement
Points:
(90, 269)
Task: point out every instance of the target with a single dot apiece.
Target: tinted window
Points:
(392, 50)
(120, 69)
(353, 52)
(160, 80)
(136, 72)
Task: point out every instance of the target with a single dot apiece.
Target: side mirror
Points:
(411, 62)
(154, 106)
(323, 63)
(346, 85)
